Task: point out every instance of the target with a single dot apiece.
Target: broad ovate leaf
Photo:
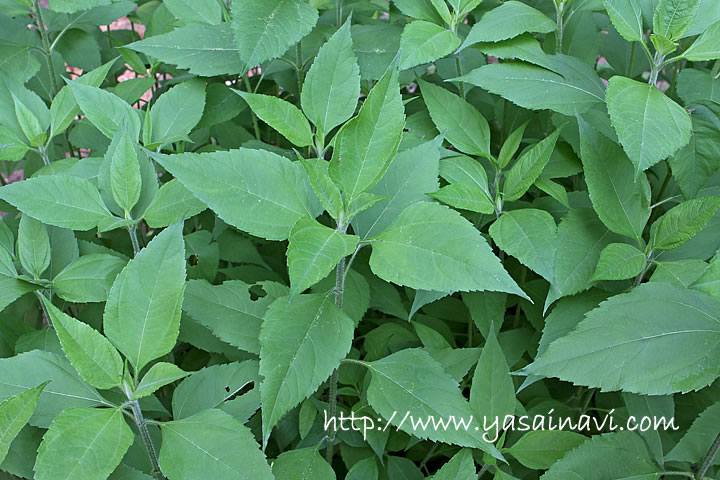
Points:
(142, 313)
(159, 375)
(650, 125)
(281, 115)
(619, 261)
(431, 247)
(302, 341)
(423, 42)
(639, 342)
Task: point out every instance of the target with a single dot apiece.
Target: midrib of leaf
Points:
(565, 84)
(24, 387)
(264, 33)
(27, 408)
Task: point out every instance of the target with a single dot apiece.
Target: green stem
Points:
(147, 440)
(559, 12)
(256, 126)
(46, 47)
(338, 13)
(299, 67)
(709, 456)
(134, 239)
(458, 67)
(44, 155)
(632, 60)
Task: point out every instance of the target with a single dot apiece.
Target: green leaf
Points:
(412, 174)
(66, 388)
(462, 124)
(682, 222)
(29, 124)
(125, 179)
(465, 197)
(63, 201)
(332, 86)
(92, 355)
(314, 250)
(626, 17)
(14, 414)
(85, 443)
(540, 449)
(206, 11)
(423, 42)
(72, 6)
(176, 112)
(11, 288)
(568, 91)
(411, 381)
(106, 111)
(206, 445)
(707, 47)
(301, 342)
(205, 50)
(88, 279)
(422, 9)
(430, 247)
(672, 18)
(695, 444)
(33, 246)
(619, 261)
(508, 20)
(650, 126)
(172, 203)
(646, 356)
(142, 313)
(227, 311)
(327, 192)
(698, 161)
(492, 393)
(530, 236)
(368, 143)
(159, 375)
(281, 115)
(302, 463)
(581, 238)
(709, 281)
(528, 168)
(256, 191)
(621, 455)
(511, 145)
(621, 200)
(211, 387)
(12, 146)
(460, 467)
(266, 29)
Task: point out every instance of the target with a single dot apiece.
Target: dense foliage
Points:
(229, 222)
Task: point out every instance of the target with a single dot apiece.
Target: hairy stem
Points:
(249, 89)
(709, 456)
(46, 46)
(147, 440)
(338, 13)
(134, 239)
(299, 67)
(458, 67)
(559, 12)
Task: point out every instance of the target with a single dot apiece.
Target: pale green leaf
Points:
(177, 111)
(528, 168)
(682, 222)
(648, 355)
(256, 191)
(92, 355)
(626, 17)
(159, 375)
(266, 29)
(202, 49)
(33, 246)
(206, 11)
(508, 20)
(423, 42)
(332, 86)
(106, 111)
(212, 386)
(411, 381)
(621, 200)
(301, 342)
(511, 146)
(650, 126)
(172, 203)
(620, 455)
(463, 125)
(314, 250)
(422, 9)
(227, 311)
(125, 179)
(206, 445)
(554, 189)
(430, 247)
(530, 236)
(302, 463)
(619, 261)
(672, 18)
(327, 192)
(492, 393)
(14, 414)
(142, 313)
(281, 115)
(63, 201)
(707, 47)
(539, 449)
(368, 143)
(11, 287)
(464, 197)
(460, 467)
(85, 443)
